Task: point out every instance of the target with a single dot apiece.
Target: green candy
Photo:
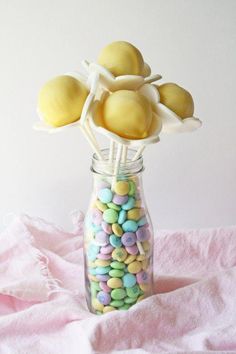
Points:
(116, 273)
(130, 300)
(118, 265)
(118, 294)
(110, 216)
(113, 206)
(95, 286)
(133, 292)
(132, 188)
(116, 303)
(124, 307)
(98, 313)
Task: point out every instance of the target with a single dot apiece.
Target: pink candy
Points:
(105, 287)
(132, 249)
(106, 227)
(96, 216)
(142, 277)
(104, 256)
(107, 249)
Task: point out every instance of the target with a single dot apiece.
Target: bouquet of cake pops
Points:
(118, 98)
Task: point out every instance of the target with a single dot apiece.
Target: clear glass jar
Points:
(118, 237)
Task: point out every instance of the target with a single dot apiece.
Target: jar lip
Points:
(106, 167)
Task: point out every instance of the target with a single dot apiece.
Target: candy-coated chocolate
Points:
(102, 263)
(129, 204)
(110, 216)
(130, 300)
(95, 286)
(97, 305)
(118, 294)
(102, 277)
(103, 270)
(125, 307)
(142, 221)
(114, 283)
(117, 265)
(134, 214)
(105, 195)
(132, 249)
(96, 216)
(117, 229)
(146, 245)
(116, 273)
(141, 257)
(144, 287)
(142, 277)
(115, 241)
(129, 280)
(121, 187)
(143, 234)
(122, 217)
(92, 252)
(101, 206)
(132, 188)
(129, 226)
(135, 267)
(145, 264)
(140, 298)
(104, 298)
(92, 271)
(133, 292)
(130, 259)
(101, 238)
(104, 256)
(107, 249)
(119, 254)
(128, 239)
(117, 303)
(114, 206)
(120, 199)
(106, 227)
(107, 309)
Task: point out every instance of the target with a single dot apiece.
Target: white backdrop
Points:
(190, 180)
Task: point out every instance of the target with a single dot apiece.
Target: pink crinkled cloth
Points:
(43, 308)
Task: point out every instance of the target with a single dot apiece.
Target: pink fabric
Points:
(43, 309)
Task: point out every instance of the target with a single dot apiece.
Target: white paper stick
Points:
(139, 152)
(140, 247)
(91, 143)
(111, 151)
(124, 154)
(93, 138)
(117, 163)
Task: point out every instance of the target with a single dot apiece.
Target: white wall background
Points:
(190, 180)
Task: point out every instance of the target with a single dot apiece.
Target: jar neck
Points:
(107, 166)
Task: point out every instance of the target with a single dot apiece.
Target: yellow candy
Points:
(102, 263)
(119, 254)
(140, 298)
(97, 305)
(144, 287)
(135, 214)
(122, 58)
(141, 257)
(61, 100)
(138, 204)
(92, 278)
(121, 187)
(128, 114)
(130, 259)
(107, 309)
(177, 99)
(114, 283)
(91, 264)
(146, 245)
(117, 229)
(101, 206)
(145, 264)
(135, 267)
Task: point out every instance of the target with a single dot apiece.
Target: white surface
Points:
(189, 179)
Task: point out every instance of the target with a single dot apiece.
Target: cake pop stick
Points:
(139, 152)
(140, 247)
(111, 151)
(91, 142)
(117, 163)
(124, 153)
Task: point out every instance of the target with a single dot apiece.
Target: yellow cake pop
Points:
(122, 58)
(128, 114)
(61, 100)
(177, 99)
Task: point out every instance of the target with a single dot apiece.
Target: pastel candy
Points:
(102, 277)
(103, 184)
(129, 226)
(145, 264)
(115, 241)
(133, 292)
(129, 259)
(140, 298)
(132, 249)
(142, 234)
(114, 283)
(107, 249)
(146, 245)
(117, 229)
(120, 199)
(128, 239)
(93, 278)
(102, 263)
(110, 216)
(114, 206)
(135, 267)
(117, 265)
(141, 257)
(121, 188)
(102, 270)
(117, 303)
(118, 294)
(101, 238)
(103, 297)
(95, 228)
(95, 286)
(101, 206)
(104, 256)
(107, 309)
(97, 304)
(96, 216)
(130, 300)
(122, 217)
(106, 227)
(142, 221)
(132, 188)
(119, 254)
(144, 287)
(129, 204)
(105, 195)
(129, 280)
(93, 250)
(142, 277)
(125, 307)
(116, 273)
(134, 214)
(92, 271)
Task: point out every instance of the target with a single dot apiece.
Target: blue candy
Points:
(142, 221)
(129, 204)
(93, 250)
(105, 195)
(115, 241)
(92, 271)
(129, 280)
(130, 226)
(122, 217)
(102, 270)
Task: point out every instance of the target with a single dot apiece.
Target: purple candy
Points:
(120, 199)
(132, 249)
(105, 287)
(96, 216)
(104, 298)
(104, 256)
(101, 238)
(128, 239)
(103, 184)
(142, 277)
(106, 227)
(143, 234)
(102, 277)
(107, 249)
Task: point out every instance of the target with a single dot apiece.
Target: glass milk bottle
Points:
(118, 238)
